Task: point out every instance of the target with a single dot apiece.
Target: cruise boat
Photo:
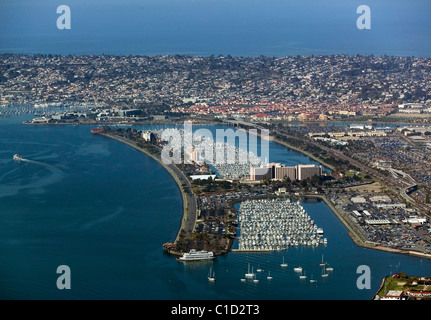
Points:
(194, 255)
(17, 157)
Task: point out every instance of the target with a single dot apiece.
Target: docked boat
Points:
(96, 130)
(194, 255)
(17, 157)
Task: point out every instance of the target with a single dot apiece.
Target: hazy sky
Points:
(238, 27)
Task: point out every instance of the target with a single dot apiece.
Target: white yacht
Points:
(211, 275)
(194, 255)
(298, 269)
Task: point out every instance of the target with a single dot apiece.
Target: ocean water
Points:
(238, 28)
(104, 209)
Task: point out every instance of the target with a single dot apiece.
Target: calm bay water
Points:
(105, 210)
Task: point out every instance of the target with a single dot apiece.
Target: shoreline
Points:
(185, 202)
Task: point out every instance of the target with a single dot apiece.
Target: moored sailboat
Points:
(249, 274)
(269, 277)
(324, 273)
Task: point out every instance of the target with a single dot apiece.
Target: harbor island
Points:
(211, 204)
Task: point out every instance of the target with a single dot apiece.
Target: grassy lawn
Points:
(401, 284)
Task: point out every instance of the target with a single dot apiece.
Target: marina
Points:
(230, 161)
(275, 224)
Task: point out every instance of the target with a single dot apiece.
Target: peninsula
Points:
(214, 229)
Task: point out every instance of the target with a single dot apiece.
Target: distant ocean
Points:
(235, 27)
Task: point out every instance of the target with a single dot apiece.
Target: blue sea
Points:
(105, 209)
(235, 27)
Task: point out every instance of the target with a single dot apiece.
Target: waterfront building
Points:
(305, 171)
(393, 295)
(129, 112)
(278, 171)
(259, 173)
(148, 136)
(194, 155)
(282, 172)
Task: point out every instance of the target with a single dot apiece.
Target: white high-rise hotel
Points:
(278, 171)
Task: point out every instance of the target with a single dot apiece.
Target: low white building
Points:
(203, 177)
(393, 295)
(358, 200)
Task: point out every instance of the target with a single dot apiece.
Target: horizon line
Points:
(213, 55)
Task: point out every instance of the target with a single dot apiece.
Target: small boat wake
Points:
(34, 181)
(108, 217)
